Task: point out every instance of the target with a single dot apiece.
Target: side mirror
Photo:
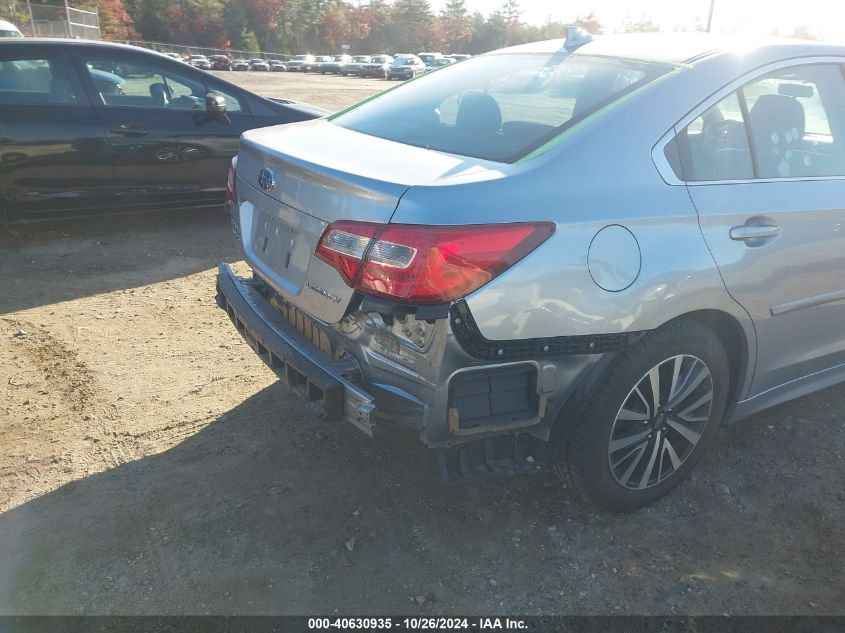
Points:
(215, 103)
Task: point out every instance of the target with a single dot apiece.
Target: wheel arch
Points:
(737, 336)
(738, 343)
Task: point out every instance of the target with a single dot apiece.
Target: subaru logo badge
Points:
(266, 180)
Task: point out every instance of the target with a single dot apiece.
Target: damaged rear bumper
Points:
(484, 418)
(318, 379)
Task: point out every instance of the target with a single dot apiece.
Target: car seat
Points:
(161, 94)
(479, 113)
(777, 129)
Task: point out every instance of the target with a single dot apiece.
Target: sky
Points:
(826, 18)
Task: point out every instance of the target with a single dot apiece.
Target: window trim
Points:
(658, 155)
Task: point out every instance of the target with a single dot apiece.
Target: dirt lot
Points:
(149, 463)
(327, 91)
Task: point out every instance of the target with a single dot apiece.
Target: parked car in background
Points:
(459, 57)
(405, 66)
(259, 64)
(335, 65)
(300, 63)
(7, 29)
(278, 66)
(453, 259)
(175, 56)
(377, 67)
(199, 61)
(77, 139)
(319, 60)
(354, 66)
(439, 63)
(428, 58)
(220, 62)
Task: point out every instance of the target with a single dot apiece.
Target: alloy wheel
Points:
(660, 422)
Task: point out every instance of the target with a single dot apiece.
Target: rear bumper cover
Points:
(317, 378)
(484, 418)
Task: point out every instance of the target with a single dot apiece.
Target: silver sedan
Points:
(581, 256)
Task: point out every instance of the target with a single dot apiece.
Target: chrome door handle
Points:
(747, 233)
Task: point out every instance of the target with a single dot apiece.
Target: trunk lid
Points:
(294, 180)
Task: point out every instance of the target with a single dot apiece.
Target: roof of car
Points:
(59, 41)
(682, 48)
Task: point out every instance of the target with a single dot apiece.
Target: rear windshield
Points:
(498, 107)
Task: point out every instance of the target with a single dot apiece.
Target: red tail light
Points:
(232, 182)
(426, 264)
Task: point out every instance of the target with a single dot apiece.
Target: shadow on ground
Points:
(268, 510)
(52, 261)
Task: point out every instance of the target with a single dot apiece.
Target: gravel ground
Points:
(149, 463)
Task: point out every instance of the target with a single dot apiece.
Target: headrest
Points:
(479, 112)
(777, 114)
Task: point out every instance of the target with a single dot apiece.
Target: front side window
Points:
(144, 85)
(498, 107)
(786, 124)
(35, 82)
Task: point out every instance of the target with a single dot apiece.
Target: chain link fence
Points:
(51, 20)
(63, 20)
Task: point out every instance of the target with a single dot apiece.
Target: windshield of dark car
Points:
(498, 107)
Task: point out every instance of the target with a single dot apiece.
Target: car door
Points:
(765, 169)
(53, 154)
(168, 150)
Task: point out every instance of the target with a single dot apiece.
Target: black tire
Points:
(586, 461)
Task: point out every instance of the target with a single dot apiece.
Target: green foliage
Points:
(14, 14)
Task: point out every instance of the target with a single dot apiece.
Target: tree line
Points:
(323, 26)
(314, 26)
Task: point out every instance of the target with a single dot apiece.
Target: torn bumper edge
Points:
(291, 357)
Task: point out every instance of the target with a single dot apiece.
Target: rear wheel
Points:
(650, 418)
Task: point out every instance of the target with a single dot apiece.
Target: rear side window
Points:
(35, 82)
(498, 107)
(787, 124)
